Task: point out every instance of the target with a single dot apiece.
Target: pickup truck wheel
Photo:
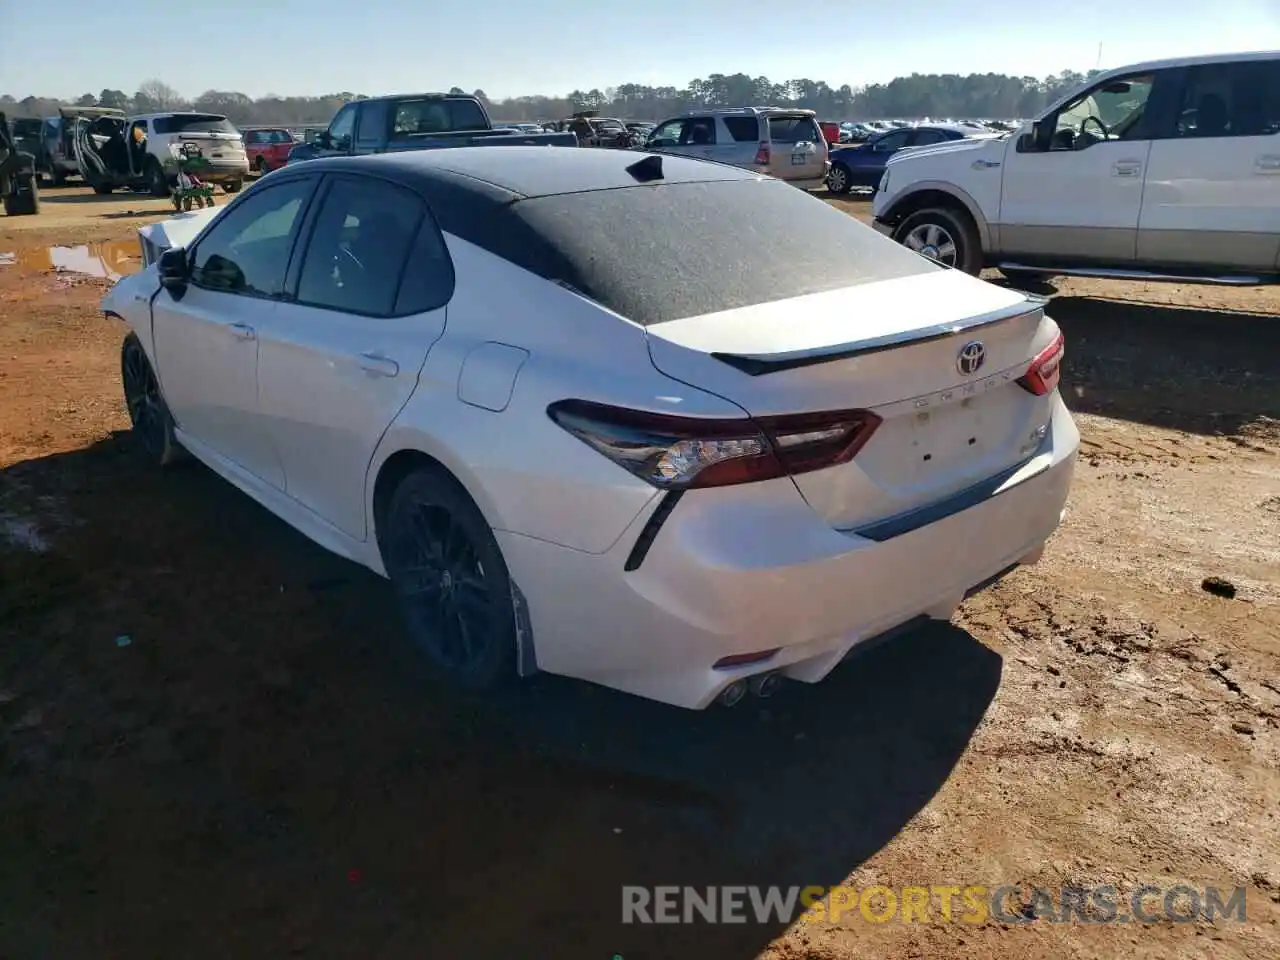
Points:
(944, 236)
(838, 179)
(156, 179)
(452, 582)
(232, 186)
(148, 413)
(102, 189)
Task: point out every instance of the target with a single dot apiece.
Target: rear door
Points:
(341, 357)
(1212, 197)
(797, 148)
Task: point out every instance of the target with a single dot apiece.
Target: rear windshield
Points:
(193, 123)
(26, 127)
(695, 248)
(269, 136)
(793, 129)
(437, 116)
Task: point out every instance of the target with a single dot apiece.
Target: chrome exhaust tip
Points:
(733, 693)
(765, 685)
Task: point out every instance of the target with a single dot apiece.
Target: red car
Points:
(268, 147)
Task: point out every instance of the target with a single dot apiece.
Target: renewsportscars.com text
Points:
(969, 904)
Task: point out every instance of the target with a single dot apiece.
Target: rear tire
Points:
(943, 235)
(102, 189)
(451, 580)
(25, 203)
(232, 186)
(148, 413)
(839, 180)
(156, 179)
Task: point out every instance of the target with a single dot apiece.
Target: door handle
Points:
(1269, 162)
(242, 331)
(377, 365)
(1126, 168)
(985, 164)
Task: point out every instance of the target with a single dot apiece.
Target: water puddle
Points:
(109, 261)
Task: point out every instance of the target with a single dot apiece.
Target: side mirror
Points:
(324, 141)
(174, 270)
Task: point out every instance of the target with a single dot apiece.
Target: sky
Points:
(514, 47)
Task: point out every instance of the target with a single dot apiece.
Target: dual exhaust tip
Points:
(762, 685)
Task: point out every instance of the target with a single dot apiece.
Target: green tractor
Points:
(18, 180)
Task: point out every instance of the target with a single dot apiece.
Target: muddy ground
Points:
(213, 742)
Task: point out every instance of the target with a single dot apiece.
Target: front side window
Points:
(667, 134)
(1111, 111)
(343, 126)
(247, 250)
(699, 132)
(357, 251)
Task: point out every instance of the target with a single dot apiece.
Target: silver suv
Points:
(787, 144)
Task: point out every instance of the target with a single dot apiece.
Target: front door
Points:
(1073, 192)
(341, 357)
(1212, 198)
(206, 341)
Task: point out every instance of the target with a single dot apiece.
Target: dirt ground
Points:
(214, 744)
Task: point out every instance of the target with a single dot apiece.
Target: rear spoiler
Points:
(757, 365)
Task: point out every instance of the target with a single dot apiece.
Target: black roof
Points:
(503, 174)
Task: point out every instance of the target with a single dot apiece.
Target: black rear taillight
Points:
(679, 453)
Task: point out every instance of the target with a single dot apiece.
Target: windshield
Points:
(193, 123)
(695, 248)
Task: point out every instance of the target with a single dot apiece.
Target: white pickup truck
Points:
(1160, 171)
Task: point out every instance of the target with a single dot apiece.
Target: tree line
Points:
(978, 95)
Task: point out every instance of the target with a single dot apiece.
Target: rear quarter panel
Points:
(528, 475)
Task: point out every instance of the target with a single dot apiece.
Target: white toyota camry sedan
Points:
(661, 424)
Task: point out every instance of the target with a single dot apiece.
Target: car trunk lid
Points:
(950, 418)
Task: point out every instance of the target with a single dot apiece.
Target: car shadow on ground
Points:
(1203, 371)
(219, 741)
(89, 198)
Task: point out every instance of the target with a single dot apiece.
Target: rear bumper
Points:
(752, 568)
(219, 172)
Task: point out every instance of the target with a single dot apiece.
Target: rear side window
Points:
(695, 248)
(1231, 100)
(358, 247)
(428, 276)
(193, 123)
(743, 129)
(794, 130)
